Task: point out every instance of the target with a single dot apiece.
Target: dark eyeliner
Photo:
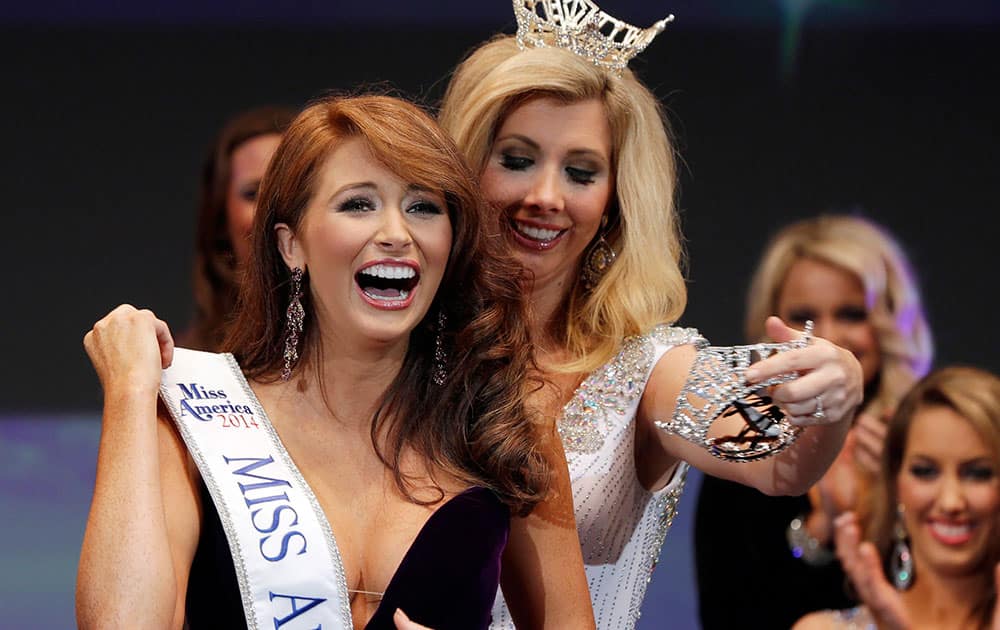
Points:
(852, 313)
(425, 207)
(249, 193)
(979, 472)
(514, 162)
(801, 316)
(580, 175)
(923, 471)
(355, 204)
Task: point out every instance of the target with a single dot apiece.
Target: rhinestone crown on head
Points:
(581, 27)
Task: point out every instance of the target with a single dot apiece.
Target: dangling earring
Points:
(901, 561)
(438, 373)
(294, 317)
(598, 259)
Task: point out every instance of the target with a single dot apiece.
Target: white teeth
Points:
(403, 294)
(390, 271)
(539, 234)
(951, 530)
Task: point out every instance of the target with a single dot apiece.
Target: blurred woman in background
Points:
(230, 179)
(932, 559)
(853, 280)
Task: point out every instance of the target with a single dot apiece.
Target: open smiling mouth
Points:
(387, 286)
(951, 533)
(535, 237)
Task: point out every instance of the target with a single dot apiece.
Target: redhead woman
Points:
(363, 455)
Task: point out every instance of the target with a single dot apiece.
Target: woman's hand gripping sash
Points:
(716, 388)
(287, 563)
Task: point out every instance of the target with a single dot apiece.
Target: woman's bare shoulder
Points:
(849, 619)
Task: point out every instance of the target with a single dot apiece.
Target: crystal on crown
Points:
(583, 28)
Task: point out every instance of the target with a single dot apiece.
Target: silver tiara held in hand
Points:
(581, 27)
(716, 388)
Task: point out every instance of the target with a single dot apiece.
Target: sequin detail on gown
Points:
(621, 525)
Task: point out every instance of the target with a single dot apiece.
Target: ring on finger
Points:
(819, 414)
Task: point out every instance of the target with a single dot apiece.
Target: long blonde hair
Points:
(892, 297)
(645, 285)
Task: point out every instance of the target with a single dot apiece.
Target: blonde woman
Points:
(852, 279)
(936, 514)
(574, 151)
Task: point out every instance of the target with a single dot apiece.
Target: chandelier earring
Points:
(294, 318)
(438, 373)
(598, 259)
(901, 560)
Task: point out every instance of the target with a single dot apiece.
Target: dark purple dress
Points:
(447, 579)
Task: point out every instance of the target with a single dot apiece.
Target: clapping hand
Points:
(861, 563)
(868, 438)
(835, 493)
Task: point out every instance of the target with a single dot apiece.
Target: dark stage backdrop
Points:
(106, 115)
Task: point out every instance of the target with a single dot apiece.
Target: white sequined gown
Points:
(621, 525)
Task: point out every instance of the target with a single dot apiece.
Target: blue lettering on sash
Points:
(200, 412)
(284, 546)
(296, 611)
(201, 402)
(264, 482)
(275, 517)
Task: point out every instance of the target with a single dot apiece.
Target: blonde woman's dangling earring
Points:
(598, 259)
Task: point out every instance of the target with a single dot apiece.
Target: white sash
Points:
(287, 563)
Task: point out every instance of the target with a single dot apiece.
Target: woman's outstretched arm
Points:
(827, 371)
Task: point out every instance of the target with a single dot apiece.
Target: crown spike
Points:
(583, 28)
